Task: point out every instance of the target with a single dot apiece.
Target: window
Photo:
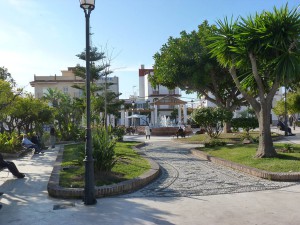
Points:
(78, 94)
(65, 90)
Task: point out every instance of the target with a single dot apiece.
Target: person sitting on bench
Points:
(35, 139)
(28, 144)
(180, 132)
(281, 126)
(11, 167)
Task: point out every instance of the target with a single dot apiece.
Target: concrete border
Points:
(16, 155)
(54, 190)
(293, 176)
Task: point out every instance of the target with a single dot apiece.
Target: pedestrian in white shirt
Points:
(147, 132)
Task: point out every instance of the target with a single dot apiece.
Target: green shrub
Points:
(10, 143)
(80, 154)
(45, 138)
(247, 136)
(211, 119)
(214, 143)
(246, 124)
(288, 148)
(104, 149)
(255, 139)
(119, 132)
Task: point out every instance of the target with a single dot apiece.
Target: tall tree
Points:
(8, 91)
(67, 113)
(52, 96)
(97, 70)
(28, 113)
(5, 75)
(6, 95)
(102, 98)
(261, 53)
(292, 103)
(186, 63)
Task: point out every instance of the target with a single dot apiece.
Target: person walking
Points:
(52, 137)
(147, 132)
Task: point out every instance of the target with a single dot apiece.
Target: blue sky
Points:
(42, 37)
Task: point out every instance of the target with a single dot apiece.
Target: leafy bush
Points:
(214, 143)
(288, 148)
(246, 124)
(212, 119)
(119, 132)
(10, 143)
(104, 149)
(246, 136)
(45, 139)
(80, 154)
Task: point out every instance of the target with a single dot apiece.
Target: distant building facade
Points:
(203, 102)
(65, 82)
(153, 94)
(154, 102)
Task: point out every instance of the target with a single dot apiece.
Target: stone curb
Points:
(15, 155)
(54, 190)
(293, 176)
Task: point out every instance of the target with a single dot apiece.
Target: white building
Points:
(65, 82)
(162, 101)
(153, 94)
(274, 119)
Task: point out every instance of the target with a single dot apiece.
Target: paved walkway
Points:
(190, 191)
(185, 175)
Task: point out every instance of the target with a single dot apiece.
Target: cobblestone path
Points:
(186, 175)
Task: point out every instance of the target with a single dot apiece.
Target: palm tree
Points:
(261, 53)
(52, 96)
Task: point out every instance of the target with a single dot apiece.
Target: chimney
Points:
(142, 66)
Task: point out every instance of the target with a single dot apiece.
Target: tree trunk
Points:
(227, 127)
(229, 107)
(265, 148)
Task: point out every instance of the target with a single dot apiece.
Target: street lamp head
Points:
(87, 4)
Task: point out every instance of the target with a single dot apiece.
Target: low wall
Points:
(164, 131)
(55, 190)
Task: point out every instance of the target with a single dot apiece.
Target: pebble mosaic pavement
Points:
(184, 175)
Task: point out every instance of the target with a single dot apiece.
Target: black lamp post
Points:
(132, 103)
(285, 113)
(89, 188)
(192, 104)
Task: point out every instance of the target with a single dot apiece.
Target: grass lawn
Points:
(129, 165)
(232, 138)
(244, 154)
